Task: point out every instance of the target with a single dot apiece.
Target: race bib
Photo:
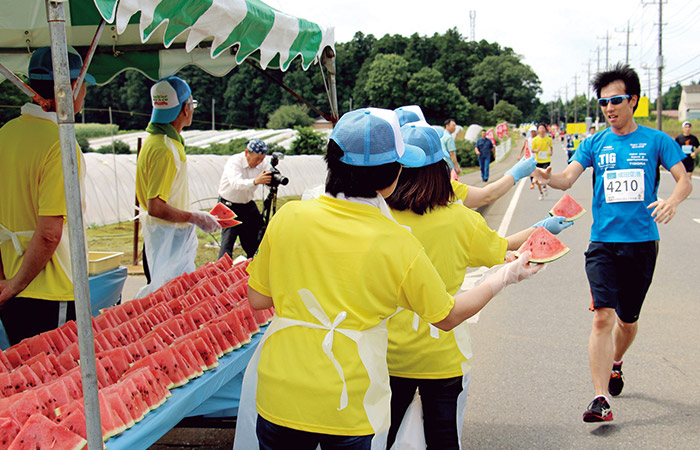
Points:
(543, 155)
(626, 185)
(687, 149)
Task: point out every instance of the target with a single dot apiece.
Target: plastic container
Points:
(100, 262)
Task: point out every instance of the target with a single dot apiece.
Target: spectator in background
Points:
(448, 141)
(486, 152)
(242, 175)
(169, 238)
(36, 285)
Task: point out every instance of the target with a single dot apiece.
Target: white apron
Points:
(411, 435)
(170, 248)
(371, 346)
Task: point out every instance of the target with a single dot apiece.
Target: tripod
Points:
(269, 204)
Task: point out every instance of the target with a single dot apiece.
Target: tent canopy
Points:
(215, 35)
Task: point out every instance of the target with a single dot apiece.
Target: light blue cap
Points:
(425, 137)
(410, 113)
(372, 137)
(167, 97)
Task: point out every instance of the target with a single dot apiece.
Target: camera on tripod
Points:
(276, 177)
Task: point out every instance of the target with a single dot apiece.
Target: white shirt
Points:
(236, 183)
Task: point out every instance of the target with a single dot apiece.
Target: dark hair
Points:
(542, 124)
(356, 181)
(620, 72)
(43, 88)
(447, 122)
(423, 188)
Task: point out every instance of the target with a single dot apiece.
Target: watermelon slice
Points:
(222, 211)
(543, 246)
(227, 223)
(39, 433)
(528, 153)
(567, 207)
(9, 428)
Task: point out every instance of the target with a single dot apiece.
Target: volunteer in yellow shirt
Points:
(170, 241)
(336, 268)
(542, 149)
(420, 356)
(36, 288)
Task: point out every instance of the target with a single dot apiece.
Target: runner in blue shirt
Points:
(623, 247)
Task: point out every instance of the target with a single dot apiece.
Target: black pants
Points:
(249, 214)
(26, 317)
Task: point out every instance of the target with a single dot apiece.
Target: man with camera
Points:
(242, 175)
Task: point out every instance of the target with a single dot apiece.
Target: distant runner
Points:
(542, 149)
(689, 144)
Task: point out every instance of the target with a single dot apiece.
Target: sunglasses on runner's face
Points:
(616, 100)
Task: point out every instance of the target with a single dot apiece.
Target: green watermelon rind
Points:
(546, 260)
(540, 233)
(570, 219)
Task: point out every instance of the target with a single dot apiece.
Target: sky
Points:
(557, 39)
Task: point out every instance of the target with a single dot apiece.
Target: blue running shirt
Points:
(645, 149)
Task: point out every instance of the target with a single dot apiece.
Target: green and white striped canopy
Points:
(159, 37)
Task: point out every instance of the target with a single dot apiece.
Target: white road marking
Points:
(697, 220)
(472, 277)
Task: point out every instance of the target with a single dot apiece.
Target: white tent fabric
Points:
(111, 179)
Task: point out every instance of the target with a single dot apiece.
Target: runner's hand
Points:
(522, 169)
(543, 175)
(513, 272)
(663, 211)
(205, 221)
(554, 224)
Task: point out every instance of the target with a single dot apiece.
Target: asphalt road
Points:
(530, 378)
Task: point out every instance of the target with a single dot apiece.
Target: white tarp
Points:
(110, 198)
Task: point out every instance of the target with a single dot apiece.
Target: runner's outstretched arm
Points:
(665, 210)
(563, 180)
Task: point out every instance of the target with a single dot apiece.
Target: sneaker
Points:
(617, 381)
(544, 189)
(539, 197)
(598, 411)
(532, 185)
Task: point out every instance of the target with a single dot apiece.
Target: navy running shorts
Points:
(619, 275)
(543, 165)
(689, 164)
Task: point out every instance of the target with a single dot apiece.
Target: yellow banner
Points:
(642, 107)
(573, 128)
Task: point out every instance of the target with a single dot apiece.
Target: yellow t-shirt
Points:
(155, 169)
(454, 237)
(460, 189)
(352, 259)
(542, 148)
(31, 179)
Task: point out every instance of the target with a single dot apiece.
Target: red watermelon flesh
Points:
(169, 365)
(567, 207)
(228, 223)
(543, 247)
(528, 152)
(31, 378)
(206, 352)
(120, 411)
(9, 428)
(41, 433)
(25, 406)
(4, 362)
(188, 365)
(6, 387)
(231, 318)
(151, 395)
(228, 334)
(222, 211)
(75, 421)
(135, 406)
(188, 349)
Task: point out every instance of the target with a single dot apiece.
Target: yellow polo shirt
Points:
(31, 180)
(352, 259)
(542, 149)
(460, 189)
(454, 237)
(155, 169)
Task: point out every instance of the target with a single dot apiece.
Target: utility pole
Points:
(213, 102)
(627, 41)
(494, 100)
(588, 91)
(607, 49)
(597, 109)
(575, 99)
(472, 25)
(659, 65)
(566, 104)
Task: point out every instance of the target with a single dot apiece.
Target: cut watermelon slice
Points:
(567, 207)
(222, 211)
(9, 428)
(227, 223)
(39, 433)
(543, 246)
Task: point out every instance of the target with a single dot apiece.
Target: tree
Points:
(506, 111)
(308, 142)
(10, 95)
(386, 81)
(672, 97)
(288, 116)
(438, 99)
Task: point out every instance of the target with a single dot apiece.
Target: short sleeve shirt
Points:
(155, 169)
(352, 259)
(542, 149)
(455, 237)
(688, 143)
(645, 149)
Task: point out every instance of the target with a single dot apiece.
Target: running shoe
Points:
(598, 411)
(540, 197)
(532, 185)
(617, 381)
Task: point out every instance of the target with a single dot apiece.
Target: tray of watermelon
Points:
(145, 350)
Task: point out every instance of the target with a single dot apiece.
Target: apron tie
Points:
(434, 332)
(7, 235)
(328, 350)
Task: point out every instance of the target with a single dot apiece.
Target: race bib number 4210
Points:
(626, 185)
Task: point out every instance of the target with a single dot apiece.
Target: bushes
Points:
(308, 142)
(94, 130)
(466, 154)
(120, 148)
(288, 116)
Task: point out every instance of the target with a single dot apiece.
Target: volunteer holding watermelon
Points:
(622, 253)
(336, 268)
(36, 283)
(420, 356)
(170, 240)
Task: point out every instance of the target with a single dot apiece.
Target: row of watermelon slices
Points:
(144, 348)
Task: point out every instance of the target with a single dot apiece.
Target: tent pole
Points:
(55, 12)
(328, 61)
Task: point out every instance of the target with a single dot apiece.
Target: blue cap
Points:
(257, 146)
(410, 113)
(372, 137)
(425, 137)
(167, 97)
(41, 65)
